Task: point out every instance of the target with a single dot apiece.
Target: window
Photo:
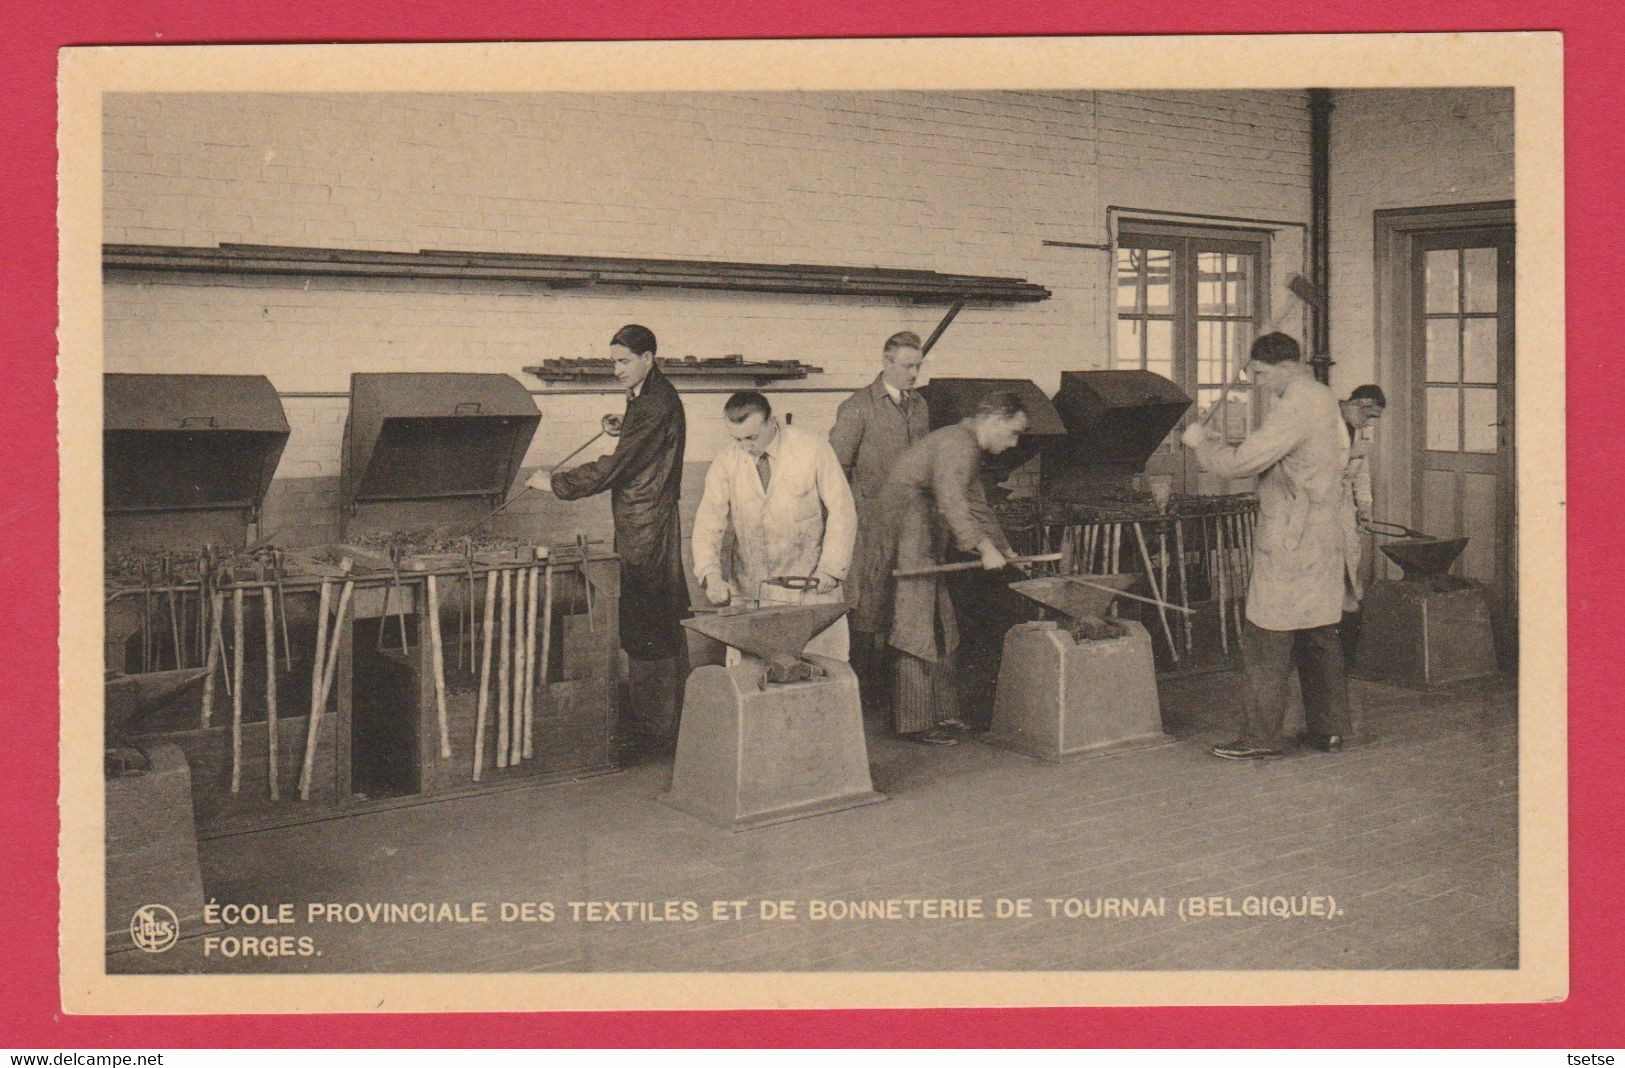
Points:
(1189, 303)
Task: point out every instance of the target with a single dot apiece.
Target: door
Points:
(1462, 290)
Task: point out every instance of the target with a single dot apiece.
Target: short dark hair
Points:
(1371, 393)
(903, 339)
(741, 404)
(1276, 348)
(640, 339)
(1002, 403)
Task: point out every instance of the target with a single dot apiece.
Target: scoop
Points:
(767, 632)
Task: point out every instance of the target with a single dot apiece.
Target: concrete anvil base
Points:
(1058, 699)
(1414, 636)
(749, 755)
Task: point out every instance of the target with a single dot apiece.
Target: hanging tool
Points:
(530, 660)
(1156, 590)
(271, 739)
(972, 565)
(1221, 593)
(516, 739)
(437, 665)
(544, 665)
(1184, 578)
(318, 667)
(506, 651)
(237, 637)
(211, 664)
(485, 676)
(174, 612)
(282, 607)
(329, 668)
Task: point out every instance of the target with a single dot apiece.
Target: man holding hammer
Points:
(643, 476)
(933, 501)
(1295, 598)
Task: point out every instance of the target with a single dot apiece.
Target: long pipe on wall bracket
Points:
(1320, 214)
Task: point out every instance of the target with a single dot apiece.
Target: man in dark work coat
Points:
(873, 428)
(932, 502)
(644, 475)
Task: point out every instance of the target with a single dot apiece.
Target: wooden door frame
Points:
(1396, 234)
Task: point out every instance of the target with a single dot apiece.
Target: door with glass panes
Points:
(1461, 339)
(1189, 303)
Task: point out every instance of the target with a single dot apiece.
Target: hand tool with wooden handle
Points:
(516, 732)
(972, 565)
(271, 739)
(237, 696)
(506, 651)
(318, 666)
(1157, 591)
(530, 659)
(485, 676)
(437, 666)
(329, 670)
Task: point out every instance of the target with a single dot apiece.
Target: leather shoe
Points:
(935, 736)
(1239, 750)
(1326, 743)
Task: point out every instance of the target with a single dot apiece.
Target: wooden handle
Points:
(237, 694)
(516, 731)
(1130, 596)
(318, 660)
(485, 675)
(437, 666)
(271, 768)
(505, 652)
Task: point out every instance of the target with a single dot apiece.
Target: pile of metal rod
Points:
(1197, 552)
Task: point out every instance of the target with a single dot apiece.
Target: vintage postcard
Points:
(988, 522)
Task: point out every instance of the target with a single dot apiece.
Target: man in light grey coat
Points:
(1295, 598)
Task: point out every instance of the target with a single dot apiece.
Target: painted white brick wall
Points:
(955, 182)
(1402, 148)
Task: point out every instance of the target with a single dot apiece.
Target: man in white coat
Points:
(1295, 598)
(783, 493)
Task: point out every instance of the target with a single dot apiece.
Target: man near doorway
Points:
(873, 428)
(1295, 598)
(933, 501)
(1362, 409)
(785, 497)
(643, 476)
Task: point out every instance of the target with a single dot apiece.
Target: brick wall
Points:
(955, 182)
(1402, 148)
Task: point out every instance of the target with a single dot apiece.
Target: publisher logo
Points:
(154, 928)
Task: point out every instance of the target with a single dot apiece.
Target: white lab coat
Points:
(1299, 557)
(805, 523)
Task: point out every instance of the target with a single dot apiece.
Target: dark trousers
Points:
(656, 691)
(1270, 656)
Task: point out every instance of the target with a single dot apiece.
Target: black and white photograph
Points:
(923, 522)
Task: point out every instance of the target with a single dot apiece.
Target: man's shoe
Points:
(934, 736)
(1242, 751)
(1326, 743)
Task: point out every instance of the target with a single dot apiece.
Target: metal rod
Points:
(971, 565)
(282, 607)
(544, 665)
(1130, 596)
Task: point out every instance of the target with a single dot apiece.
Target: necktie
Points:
(764, 468)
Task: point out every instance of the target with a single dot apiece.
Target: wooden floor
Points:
(1411, 831)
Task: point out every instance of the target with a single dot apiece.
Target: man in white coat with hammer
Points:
(1295, 598)
(783, 493)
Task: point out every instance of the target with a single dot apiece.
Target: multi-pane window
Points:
(1188, 309)
(1460, 309)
